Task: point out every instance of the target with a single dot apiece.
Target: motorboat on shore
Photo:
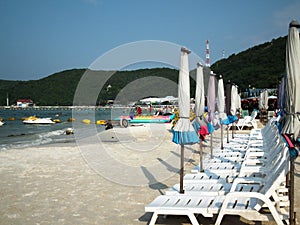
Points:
(37, 120)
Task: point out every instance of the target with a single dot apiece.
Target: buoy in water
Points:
(69, 131)
(101, 122)
(86, 121)
(57, 120)
(71, 119)
(11, 118)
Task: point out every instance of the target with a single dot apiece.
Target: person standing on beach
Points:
(139, 111)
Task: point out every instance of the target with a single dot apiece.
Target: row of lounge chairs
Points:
(245, 178)
(247, 122)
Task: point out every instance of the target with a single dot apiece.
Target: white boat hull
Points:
(39, 121)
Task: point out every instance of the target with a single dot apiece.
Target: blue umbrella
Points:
(183, 132)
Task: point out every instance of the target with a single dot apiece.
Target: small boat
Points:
(124, 120)
(1, 123)
(37, 120)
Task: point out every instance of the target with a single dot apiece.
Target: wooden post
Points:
(222, 147)
(201, 158)
(291, 191)
(181, 191)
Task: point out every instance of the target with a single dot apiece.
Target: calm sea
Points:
(16, 134)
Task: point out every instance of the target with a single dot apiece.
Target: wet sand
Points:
(63, 184)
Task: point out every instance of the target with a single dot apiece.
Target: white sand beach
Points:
(107, 179)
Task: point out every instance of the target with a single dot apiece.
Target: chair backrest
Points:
(253, 114)
(276, 175)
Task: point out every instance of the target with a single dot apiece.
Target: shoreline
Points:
(55, 184)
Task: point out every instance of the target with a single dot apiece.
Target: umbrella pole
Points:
(291, 191)
(211, 145)
(181, 191)
(222, 147)
(227, 134)
(232, 130)
(201, 158)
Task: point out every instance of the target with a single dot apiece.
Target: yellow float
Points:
(86, 121)
(101, 122)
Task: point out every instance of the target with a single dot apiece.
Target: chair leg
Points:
(192, 218)
(153, 219)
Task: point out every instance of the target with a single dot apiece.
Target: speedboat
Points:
(37, 120)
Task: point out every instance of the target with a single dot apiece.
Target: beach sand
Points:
(64, 184)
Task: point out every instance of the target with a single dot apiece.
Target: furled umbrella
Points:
(228, 104)
(199, 106)
(292, 91)
(211, 105)
(291, 117)
(263, 104)
(183, 132)
(280, 95)
(221, 106)
(234, 104)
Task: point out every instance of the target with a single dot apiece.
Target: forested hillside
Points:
(260, 66)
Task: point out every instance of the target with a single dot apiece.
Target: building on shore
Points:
(24, 103)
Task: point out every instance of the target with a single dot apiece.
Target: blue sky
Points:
(41, 37)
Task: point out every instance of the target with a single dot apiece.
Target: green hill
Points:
(260, 66)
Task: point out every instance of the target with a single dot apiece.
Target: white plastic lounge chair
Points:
(247, 121)
(222, 186)
(243, 203)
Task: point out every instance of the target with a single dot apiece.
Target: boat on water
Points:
(37, 120)
(124, 120)
(1, 123)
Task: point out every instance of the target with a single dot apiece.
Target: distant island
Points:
(258, 67)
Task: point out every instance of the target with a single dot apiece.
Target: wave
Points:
(30, 140)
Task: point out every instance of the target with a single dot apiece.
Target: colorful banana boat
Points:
(145, 119)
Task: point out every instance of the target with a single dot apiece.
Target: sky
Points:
(42, 37)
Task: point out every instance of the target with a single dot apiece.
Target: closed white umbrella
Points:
(199, 106)
(183, 132)
(292, 91)
(199, 96)
(263, 100)
(291, 117)
(234, 104)
(211, 105)
(221, 105)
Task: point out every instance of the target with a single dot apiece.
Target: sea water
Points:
(16, 134)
